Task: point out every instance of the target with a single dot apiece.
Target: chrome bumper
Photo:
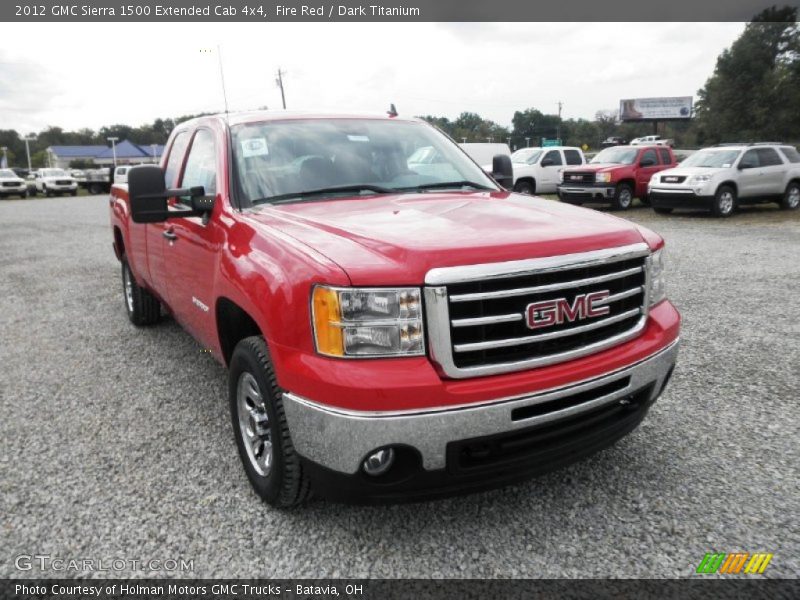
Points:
(340, 439)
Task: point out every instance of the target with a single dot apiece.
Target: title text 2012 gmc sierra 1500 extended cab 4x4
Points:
(392, 334)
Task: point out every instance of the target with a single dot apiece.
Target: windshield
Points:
(54, 173)
(7, 173)
(712, 159)
(285, 158)
(526, 156)
(616, 156)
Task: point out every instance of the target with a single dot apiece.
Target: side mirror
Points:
(502, 171)
(547, 162)
(148, 195)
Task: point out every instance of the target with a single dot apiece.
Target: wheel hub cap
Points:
(726, 202)
(794, 197)
(254, 424)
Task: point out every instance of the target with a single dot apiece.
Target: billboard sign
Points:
(655, 109)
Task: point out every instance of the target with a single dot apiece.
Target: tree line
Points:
(753, 94)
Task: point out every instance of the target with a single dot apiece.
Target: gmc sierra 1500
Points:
(392, 334)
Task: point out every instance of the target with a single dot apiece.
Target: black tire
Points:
(75, 193)
(45, 193)
(284, 484)
(142, 307)
(95, 188)
(791, 198)
(724, 202)
(33, 192)
(662, 210)
(525, 187)
(623, 197)
(23, 195)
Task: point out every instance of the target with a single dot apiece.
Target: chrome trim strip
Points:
(530, 339)
(488, 320)
(680, 192)
(620, 295)
(539, 289)
(515, 268)
(340, 439)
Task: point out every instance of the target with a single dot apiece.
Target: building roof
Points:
(76, 151)
(127, 149)
(124, 149)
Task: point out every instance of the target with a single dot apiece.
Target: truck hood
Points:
(397, 239)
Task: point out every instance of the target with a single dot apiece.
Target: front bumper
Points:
(14, 189)
(445, 451)
(586, 192)
(679, 198)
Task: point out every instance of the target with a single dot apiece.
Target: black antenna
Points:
(392, 112)
(222, 79)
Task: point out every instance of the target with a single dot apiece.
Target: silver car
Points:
(720, 178)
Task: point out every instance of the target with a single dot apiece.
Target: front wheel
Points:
(260, 428)
(142, 307)
(525, 187)
(623, 197)
(724, 202)
(791, 199)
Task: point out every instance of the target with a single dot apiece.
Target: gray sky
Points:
(89, 75)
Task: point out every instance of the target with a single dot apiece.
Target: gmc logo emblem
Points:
(554, 312)
(670, 179)
(575, 177)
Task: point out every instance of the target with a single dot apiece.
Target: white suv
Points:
(719, 178)
(536, 169)
(55, 182)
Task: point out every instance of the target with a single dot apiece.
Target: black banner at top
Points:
(384, 10)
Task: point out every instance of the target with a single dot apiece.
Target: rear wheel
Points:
(260, 428)
(724, 202)
(142, 307)
(525, 187)
(623, 197)
(791, 199)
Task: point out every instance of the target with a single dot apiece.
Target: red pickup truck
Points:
(392, 330)
(616, 175)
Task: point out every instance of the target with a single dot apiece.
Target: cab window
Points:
(201, 164)
(649, 156)
(176, 153)
(768, 157)
(573, 157)
(554, 156)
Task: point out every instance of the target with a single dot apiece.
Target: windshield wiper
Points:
(449, 184)
(361, 187)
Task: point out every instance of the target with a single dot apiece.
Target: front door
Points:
(191, 245)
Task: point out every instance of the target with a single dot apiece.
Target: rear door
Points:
(773, 170)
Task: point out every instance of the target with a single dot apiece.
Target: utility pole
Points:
(279, 83)
(558, 127)
(113, 141)
(28, 150)
(153, 147)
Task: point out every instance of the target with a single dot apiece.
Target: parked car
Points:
(386, 332)
(614, 140)
(54, 181)
(97, 181)
(615, 175)
(12, 185)
(652, 140)
(536, 170)
(720, 178)
(483, 152)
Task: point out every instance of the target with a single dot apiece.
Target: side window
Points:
(201, 165)
(768, 157)
(554, 156)
(749, 160)
(649, 156)
(176, 153)
(665, 158)
(573, 157)
(791, 154)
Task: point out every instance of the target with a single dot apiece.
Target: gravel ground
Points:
(117, 443)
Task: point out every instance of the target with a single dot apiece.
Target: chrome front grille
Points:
(478, 319)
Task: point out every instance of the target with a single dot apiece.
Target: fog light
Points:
(379, 462)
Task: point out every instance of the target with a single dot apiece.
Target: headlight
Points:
(352, 322)
(699, 179)
(658, 289)
(602, 177)
(654, 179)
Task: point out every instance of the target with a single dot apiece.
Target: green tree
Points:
(754, 92)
